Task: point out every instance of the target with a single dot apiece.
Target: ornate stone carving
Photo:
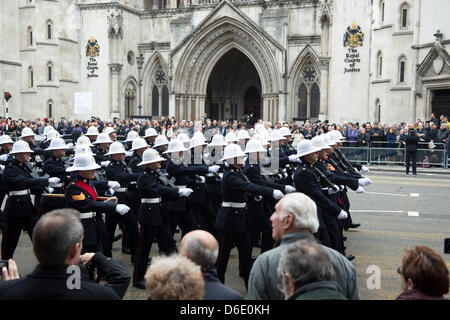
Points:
(115, 23)
(326, 9)
(115, 67)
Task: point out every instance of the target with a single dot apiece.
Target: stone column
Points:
(201, 107)
(177, 108)
(323, 113)
(193, 109)
(115, 70)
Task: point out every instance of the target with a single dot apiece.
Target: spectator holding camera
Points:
(424, 275)
(57, 244)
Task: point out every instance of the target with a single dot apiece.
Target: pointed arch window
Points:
(382, 7)
(309, 93)
(30, 36)
(50, 106)
(50, 72)
(379, 64)
(402, 69)
(404, 16)
(30, 77)
(160, 93)
(49, 34)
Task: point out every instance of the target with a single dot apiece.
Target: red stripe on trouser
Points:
(5, 233)
(221, 250)
(339, 200)
(139, 254)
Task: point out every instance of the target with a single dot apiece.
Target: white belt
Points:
(87, 215)
(233, 204)
(150, 200)
(121, 190)
(180, 186)
(19, 193)
(58, 185)
(133, 182)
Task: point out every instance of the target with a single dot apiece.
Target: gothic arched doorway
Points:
(233, 73)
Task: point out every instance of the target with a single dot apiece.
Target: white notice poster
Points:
(83, 103)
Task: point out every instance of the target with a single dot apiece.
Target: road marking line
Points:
(381, 211)
(413, 214)
(414, 194)
(389, 194)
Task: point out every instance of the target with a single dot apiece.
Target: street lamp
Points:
(7, 96)
(140, 62)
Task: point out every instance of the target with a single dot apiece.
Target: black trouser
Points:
(12, 232)
(334, 230)
(411, 156)
(148, 234)
(184, 219)
(130, 229)
(2, 215)
(205, 217)
(227, 240)
(261, 224)
(322, 232)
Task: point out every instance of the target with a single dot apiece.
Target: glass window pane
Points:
(155, 101)
(302, 101)
(165, 101)
(315, 101)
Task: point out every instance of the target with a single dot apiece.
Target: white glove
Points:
(104, 164)
(277, 194)
(360, 190)
(333, 190)
(342, 215)
(185, 192)
(289, 189)
(214, 169)
(122, 209)
(294, 158)
(364, 169)
(200, 179)
(2, 167)
(50, 189)
(70, 145)
(128, 153)
(52, 181)
(364, 182)
(341, 187)
(111, 191)
(113, 184)
(3, 157)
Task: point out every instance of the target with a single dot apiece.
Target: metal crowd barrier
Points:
(378, 153)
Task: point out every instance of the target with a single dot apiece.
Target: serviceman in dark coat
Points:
(19, 210)
(307, 180)
(232, 220)
(81, 195)
(152, 216)
(118, 171)
(6, 145)
(258, 210)
(55, 166)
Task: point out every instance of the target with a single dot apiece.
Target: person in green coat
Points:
(307, 273)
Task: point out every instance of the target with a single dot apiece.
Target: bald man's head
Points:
(201, 247)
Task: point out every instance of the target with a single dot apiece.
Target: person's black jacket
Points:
(411, 142)
(214, 289)
(50, 283)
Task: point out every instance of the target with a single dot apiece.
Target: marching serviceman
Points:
(92, 133)
(151, 215)
(258, 213)
(130, 138)
(161, 144)
(150, 136)
(118, 171)
(138, 146)
(100, 149)
(111, 132)
(81, 195)
(199, 200)
(307, 180)
(6, 145)
(55, 166)
(180, 211)
(232, 220)
(19, 210)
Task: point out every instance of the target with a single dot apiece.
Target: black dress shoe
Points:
(354, 225)
(117, 238)
(126, 250)
(139, 284)
(350, 257)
